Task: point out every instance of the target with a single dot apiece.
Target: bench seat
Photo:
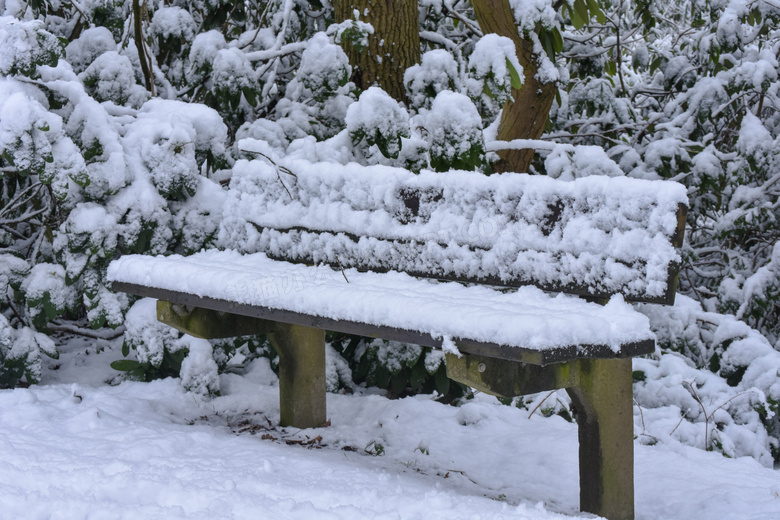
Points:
(523, 324)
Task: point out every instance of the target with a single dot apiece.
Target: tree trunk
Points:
(394, 46)
(526, 116)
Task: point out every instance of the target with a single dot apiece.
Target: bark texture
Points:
(394, 46)
(526, 116)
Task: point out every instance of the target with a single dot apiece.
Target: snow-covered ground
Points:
(76, 447)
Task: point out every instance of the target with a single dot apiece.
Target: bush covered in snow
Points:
(118, 137)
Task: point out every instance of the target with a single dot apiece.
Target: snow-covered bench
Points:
(453, 260)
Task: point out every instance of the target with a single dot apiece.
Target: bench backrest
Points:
(595, 236)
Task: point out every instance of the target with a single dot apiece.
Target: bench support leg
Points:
(301, 374)
(603, 399)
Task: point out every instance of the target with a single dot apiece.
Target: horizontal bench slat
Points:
(525, 325)
(492, 350)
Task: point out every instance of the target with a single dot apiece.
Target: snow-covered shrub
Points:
(110, 77)
(338, 374)
(437, 72)
(25, 46)
(20, 353)
(47, 293)
(85, 49)
(571, 162)
(715, 383)
(324, 68)
(401, 368)
(316, 99)
(455, 132)
(492, 71)
(83, 181)
(159, 353)
(173, 30)
(377, 124)
(198, 369)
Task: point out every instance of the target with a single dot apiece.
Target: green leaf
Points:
(546, 39)
(557, 40)
(125, 365)
(48, 307)
(442, 381)
(656, 63)
(576, 20)
(361, 371)
(381, 377)
(99, 322)
(398, 382)
(595, 10)
(418, 376)
(581, 8)
(250, 95)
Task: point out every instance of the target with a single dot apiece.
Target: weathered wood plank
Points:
(209, 324)
(523, 355)
(509, 378)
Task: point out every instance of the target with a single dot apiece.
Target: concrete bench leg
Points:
(603, 398)
(301, 374)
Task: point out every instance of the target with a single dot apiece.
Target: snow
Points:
(111, 78)
(526, 318)
(324, 65)
(529, 13)
(437, 72)
(173, 22)
(489, 69)
(612, 234)
(49, 279)
(376, 117)
(74, 447)
(232, 71)
(90, 44)
(454, 128)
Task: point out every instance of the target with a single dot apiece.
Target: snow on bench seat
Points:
(525, 318)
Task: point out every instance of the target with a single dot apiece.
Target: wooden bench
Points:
(454, 260)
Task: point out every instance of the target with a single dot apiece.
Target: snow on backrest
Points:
(595, 236)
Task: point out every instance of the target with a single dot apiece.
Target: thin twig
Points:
(278, 175)
(259, 26)
(467, 23)
(540, 403)
(87, 333)
(641, 416)
(13, 309)
(342, 270)
(678, 424)
(703, 409)
(728, 401)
